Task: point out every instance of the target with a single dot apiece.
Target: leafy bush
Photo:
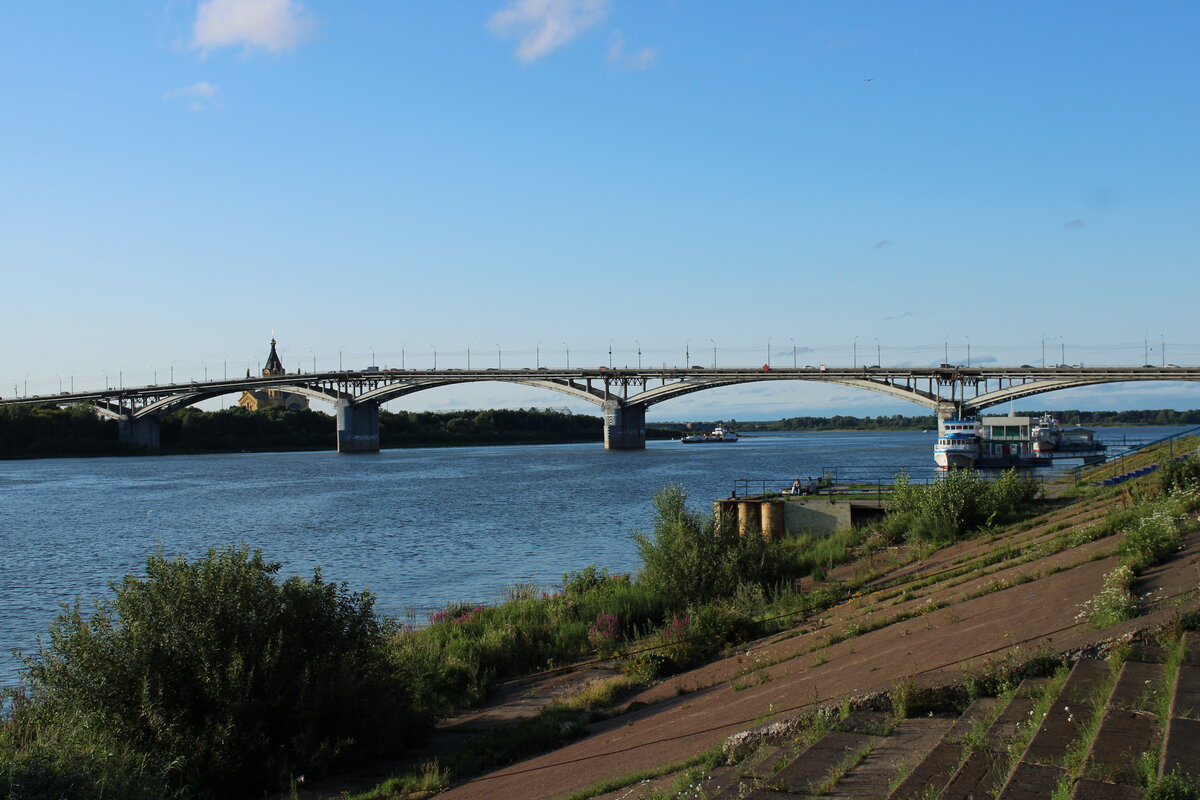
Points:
(962, 501)
(218, 677)
(690, 557)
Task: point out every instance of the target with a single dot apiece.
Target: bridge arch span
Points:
(189, 398)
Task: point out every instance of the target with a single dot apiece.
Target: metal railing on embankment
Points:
(1116, 465)
(845, 482)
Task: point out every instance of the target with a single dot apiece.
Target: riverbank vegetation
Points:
(214, 678)
(900, 422)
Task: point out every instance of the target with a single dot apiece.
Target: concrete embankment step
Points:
(1129, 727)
(911, 740)
(1039, 770)
(986, 766)
(942, 760)
(805, 766)
(1181, 746)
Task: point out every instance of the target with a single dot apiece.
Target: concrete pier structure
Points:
(624, 425)
(357, 427)
(140, 431)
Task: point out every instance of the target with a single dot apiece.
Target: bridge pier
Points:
(624, 426)
(947, 410)
(357, 427)
(141, 432)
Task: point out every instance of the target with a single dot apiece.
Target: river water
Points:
(419, 528)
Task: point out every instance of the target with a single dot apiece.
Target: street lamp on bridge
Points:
(854, 350)
(499, 365)
(402, 354)
(314, 355)
(968, 338)
(205, 365)
(610, 353)
(434, 348)
(372, 349)
(537, 355)
(568, 349)
(639, 346)
(687, 353)
(768, 351)
(793, 351)
(714, 344)
(469, 355)
(341, 347)
(878, 360)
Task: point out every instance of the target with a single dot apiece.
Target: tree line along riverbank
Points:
(37, 431)
(44, 431)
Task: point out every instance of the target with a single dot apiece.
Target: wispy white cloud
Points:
(546, 25)
(200, 96)
(643, 59)
(270, 25)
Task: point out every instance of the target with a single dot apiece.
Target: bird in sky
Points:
(867, 80)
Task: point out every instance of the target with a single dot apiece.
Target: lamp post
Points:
(499, 365)
(205, 365)
(434, 348)
(225, 366)
(610, 353)
(402, 354)
(1062, 352)
(793, 338)
(1162, 348)
(714, 344)
(172, 373)
(768, 351)
(469, 355)
(639, 346)
(854, 349)
(314, 355)
(121, 377)
(1145, 349)
(946, 350)
(72, 383)
(687, 353)
(60, 384)
(372, 349)
(878, 360)
(537, 355)
(340, 349)
(1043, 350)
(103, 370)
(567, 347)
(968, 338)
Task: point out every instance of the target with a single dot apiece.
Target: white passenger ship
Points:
(957, 444)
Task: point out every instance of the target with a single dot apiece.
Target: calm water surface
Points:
(419, 528)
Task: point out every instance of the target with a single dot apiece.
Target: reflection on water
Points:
(418, 527)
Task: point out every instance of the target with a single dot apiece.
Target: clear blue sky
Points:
(178, 179)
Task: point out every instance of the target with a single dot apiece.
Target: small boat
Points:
(718, 434)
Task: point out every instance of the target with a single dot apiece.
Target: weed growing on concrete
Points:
(1114, 604)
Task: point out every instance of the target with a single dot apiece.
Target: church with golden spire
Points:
(272, 398)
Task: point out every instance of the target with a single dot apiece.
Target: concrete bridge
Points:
(623, 394)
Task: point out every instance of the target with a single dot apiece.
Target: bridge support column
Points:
(139, 431)
(947, 410)
(624, 426)
(357, 427)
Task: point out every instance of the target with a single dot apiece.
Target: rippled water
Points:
(419, 528)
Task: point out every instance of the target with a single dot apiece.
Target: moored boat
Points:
(957, 444)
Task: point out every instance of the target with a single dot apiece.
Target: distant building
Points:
(272, 398)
